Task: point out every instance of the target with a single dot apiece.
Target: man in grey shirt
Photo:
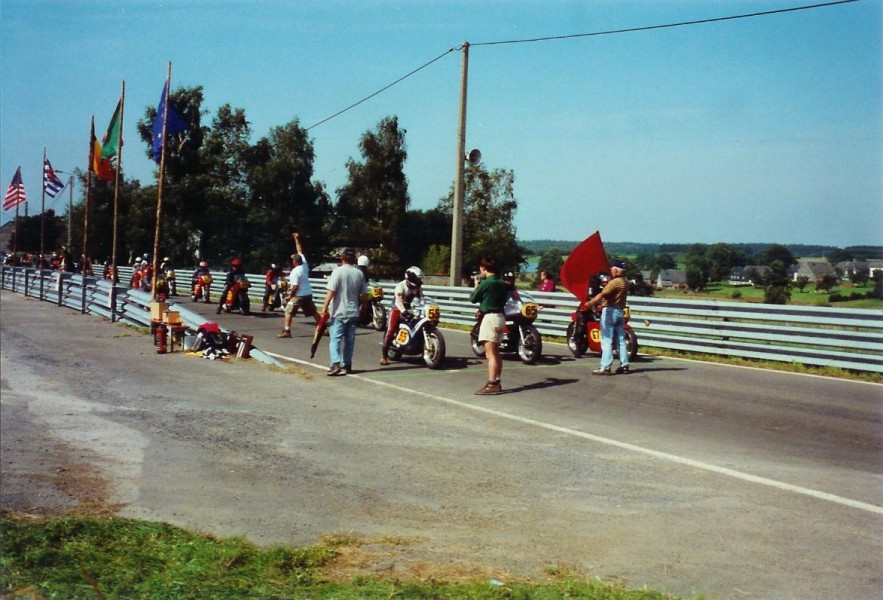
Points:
(345, 285)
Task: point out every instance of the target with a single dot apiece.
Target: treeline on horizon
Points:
(538, 247)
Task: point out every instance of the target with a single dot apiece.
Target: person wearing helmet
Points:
(236, 272)
(271, 282)
(405, 291)
(201, 269)
(168, 271)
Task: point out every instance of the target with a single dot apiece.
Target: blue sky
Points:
(754, 130)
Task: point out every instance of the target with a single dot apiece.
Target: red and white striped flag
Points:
(15, 195)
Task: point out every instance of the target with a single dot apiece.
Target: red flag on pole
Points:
(586, 260)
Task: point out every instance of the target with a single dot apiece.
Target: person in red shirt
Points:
(547, 284)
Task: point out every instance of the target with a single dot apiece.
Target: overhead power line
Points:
(664, 26)
(583, 35)
(383, 89)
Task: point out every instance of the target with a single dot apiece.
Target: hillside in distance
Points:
(537, 247)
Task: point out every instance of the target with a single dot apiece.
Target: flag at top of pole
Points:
(174, 123)
(51, 183)
(15, 195)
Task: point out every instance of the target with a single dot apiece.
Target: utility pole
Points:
(459, 183)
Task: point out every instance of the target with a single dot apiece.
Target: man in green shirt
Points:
(490, 292)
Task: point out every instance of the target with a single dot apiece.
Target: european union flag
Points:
(174, 123)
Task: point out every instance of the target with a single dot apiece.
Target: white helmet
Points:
(414, 276)
(363, 261)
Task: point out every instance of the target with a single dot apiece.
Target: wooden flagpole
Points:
(43, 210)
(116, 186)
(159, 186)
(88, 195)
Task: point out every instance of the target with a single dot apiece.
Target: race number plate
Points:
(529, 311)
(595, 334)
(403, 337)
(433, 313)
(626, 312)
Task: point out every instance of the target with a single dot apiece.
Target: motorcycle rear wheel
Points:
(434, 349)
(579, 346)
(530, 347)
(477, 348)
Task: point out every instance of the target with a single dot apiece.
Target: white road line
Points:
(787, 487)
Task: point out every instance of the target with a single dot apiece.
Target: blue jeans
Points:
(613, 328)
(342, 330)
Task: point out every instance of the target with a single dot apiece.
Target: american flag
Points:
(51, 183)
(15, 195)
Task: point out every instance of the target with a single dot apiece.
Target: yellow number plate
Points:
(596, 335)
(626, 313)
(433, 313)
(403, 337)
(529, 311)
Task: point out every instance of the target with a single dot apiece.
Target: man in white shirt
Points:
(300, 292)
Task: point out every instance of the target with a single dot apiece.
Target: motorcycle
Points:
(202, 288)
(277, 294)
(171, 281)
(372, 312)
(520, 335)
(237, 296)
(418, 334)
(584, 333)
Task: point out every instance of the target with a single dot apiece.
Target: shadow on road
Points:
(545, 383)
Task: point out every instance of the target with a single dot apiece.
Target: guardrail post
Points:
(115, 291)
(60, 286)
(27, 280)
(13, 280)
(84, 293)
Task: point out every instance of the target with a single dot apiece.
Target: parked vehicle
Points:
(277, 293)
(521, 335)
(418, 334)
(237, 296)
(584, 333)
(372, 313)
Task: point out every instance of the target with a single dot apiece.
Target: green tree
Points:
(826, 282)
(721, 260)
(489, 207)
(802, 281)
(860, 277)
(421, 231)
(697, 266)
(665, 261)
(437, 260)
(371, 205)
(778, 288)
(776, 252)
(284, 197)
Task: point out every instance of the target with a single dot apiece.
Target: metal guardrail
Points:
(99, 297)
(822, 336)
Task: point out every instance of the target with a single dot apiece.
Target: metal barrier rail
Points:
(821, 336)
(100, 297)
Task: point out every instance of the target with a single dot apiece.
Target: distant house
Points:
(748, 274)
(813, 269)
(672, 278)
(872, 266)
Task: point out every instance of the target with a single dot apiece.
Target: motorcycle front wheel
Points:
(379, 316)
(244, 306)
(477, 348)
(579, 346)
(434, 349)
(631, 340)
(530, 346)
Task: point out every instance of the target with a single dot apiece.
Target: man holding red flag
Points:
(613, 299)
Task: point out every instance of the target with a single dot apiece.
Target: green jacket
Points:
(491, 294)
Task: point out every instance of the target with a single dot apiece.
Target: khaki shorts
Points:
(304, 303)
(492, 326)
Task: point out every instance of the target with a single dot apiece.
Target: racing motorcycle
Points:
(418, 334)
(278, 293)
(584, 333)
(520, 335)
(202, 288)
(237, 296)
(372, 312)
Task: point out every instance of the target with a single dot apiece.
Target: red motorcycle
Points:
(584, 333)
(237, 296)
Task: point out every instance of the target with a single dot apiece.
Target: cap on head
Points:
(617, 264)
(349, 254)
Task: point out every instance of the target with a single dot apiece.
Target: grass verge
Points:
(89, 557)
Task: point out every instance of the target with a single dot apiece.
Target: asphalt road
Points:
(683, 476)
